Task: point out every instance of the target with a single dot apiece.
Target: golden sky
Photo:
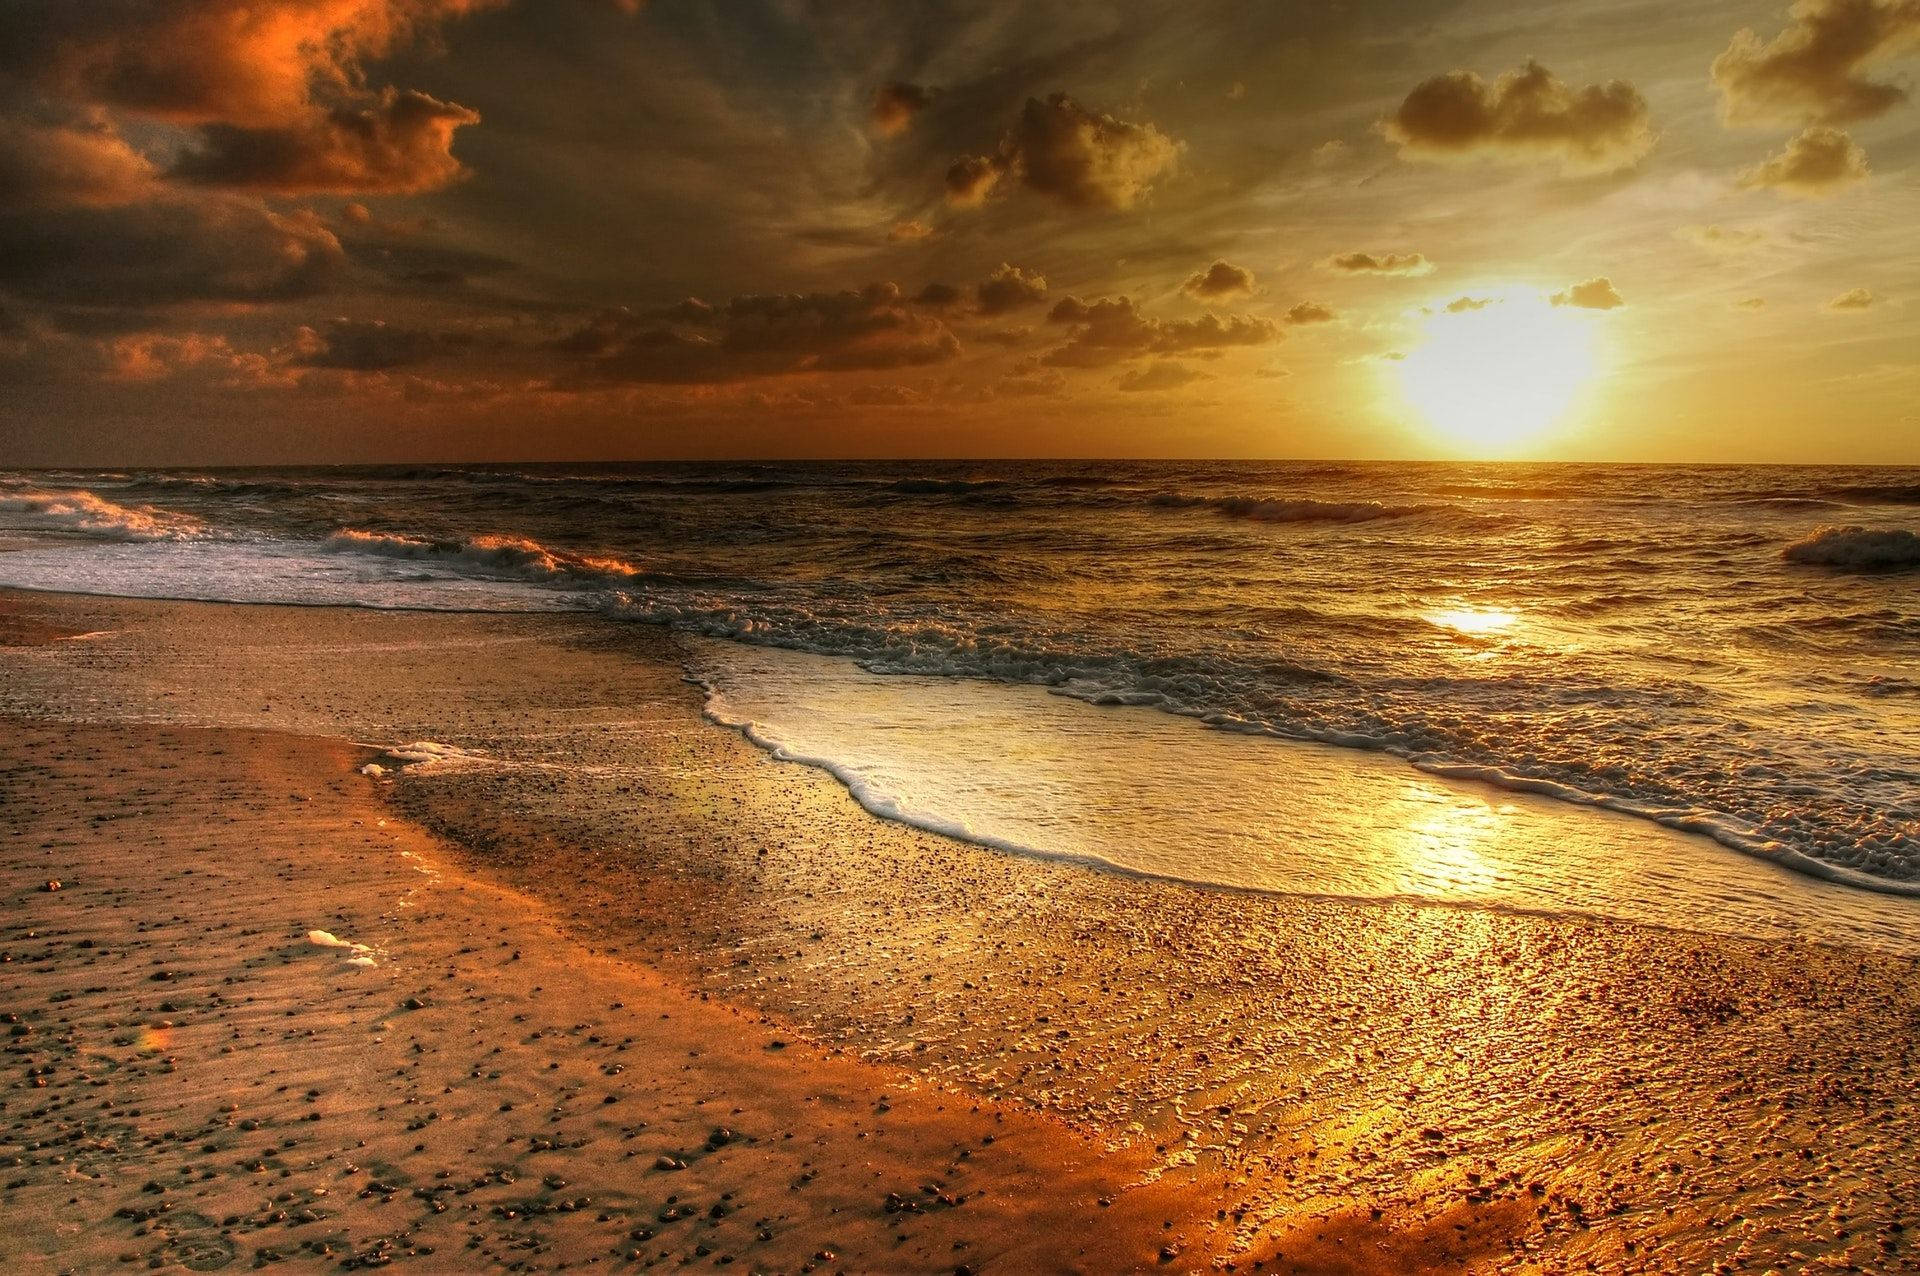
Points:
(366, 230)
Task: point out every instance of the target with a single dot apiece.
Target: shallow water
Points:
(1020, 770)
(1686, 645)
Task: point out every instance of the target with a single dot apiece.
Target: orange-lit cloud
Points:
(1593, 294)
(1814, 69)
(1365, 263)
(1162, 375)
(1082, 158)
(400, 143)
(1221, 279)
(1855, 300)
(1819, 163)
(250, 63)
(1009, 288)
(1525, 115)
(1111, 329)
(895, 104)
(80, 161)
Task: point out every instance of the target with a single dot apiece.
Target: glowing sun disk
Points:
(1493, 377)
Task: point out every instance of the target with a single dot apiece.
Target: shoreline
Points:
(1470, 775)
(1328, 1085)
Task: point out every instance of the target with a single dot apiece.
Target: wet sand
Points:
(1292, 1084)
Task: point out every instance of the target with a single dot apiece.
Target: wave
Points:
(82, 511)
(1274, 509)
(1856, 548)
(1881, 493)
(513, 556)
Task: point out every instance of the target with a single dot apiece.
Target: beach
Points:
(960, 640)
(871, 1032)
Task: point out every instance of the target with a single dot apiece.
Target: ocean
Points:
(1686, 695)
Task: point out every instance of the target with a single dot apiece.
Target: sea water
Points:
(1682, 694)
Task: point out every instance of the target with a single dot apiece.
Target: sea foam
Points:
(515, 556)
(78, 510)
(1856, 548)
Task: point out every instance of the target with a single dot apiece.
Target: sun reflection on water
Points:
(1440, 854)
(1474, 620)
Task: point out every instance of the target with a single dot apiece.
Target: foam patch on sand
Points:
(359, 955)
(423, 756)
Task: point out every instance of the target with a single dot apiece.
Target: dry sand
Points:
(1279, 1084)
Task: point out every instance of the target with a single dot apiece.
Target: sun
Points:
(1494, 372)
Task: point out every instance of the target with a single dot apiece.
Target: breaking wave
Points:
(514, 556)
(1855, 548)
(78, 510)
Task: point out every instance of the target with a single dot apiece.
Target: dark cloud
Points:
(1221, 279)
(1597, 293)
(221, 248)
(371, 345)
(972, 179)
(1111, 329)
(1525, 115)
(1463, 305)
(1082, 158)
(1309, 312)
(1010, 288)
(937, 296)
(895, 104)
(1364, 263)
(80, 161)
(400, 143)
(1163, 375)
(425, 265)
(1812, 70)
(873, 328)
(1857, 299)
(1820, 162)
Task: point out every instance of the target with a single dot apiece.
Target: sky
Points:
(276, 231)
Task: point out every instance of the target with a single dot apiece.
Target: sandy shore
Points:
(259, 1020)
(627, 929)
